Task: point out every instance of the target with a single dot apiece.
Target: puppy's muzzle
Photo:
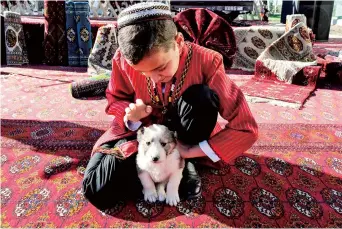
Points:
(155, 159)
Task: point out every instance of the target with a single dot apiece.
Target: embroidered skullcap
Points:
(144, 11)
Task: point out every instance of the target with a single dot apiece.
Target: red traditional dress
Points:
(205, 67)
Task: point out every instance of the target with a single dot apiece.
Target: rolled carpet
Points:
(90, 87)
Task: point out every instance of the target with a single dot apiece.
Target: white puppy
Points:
(159, 164)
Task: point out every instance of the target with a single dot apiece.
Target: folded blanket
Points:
(283, 72)
(16, 51)
(90, 87)
(204, 27)
(287, 56)
(294, 19)
(100, 58)
(251, 42)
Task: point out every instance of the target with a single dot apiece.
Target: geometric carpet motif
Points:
(290, 178)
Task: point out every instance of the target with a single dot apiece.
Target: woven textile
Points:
(205, 28)
(100, 58)
(3, 43)
(294, 19)
(268, 90)
(72, 35)
(278, 71)
(291, 178)
(55, 46)
(251, 42)
(289, 54)
(16, 52)
(83, 31)
(79, 37)
(91, 87)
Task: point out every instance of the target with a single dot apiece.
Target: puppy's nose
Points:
(155, 159)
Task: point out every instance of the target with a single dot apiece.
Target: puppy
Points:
(159, 164)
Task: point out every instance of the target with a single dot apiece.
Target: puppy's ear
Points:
(140, 133)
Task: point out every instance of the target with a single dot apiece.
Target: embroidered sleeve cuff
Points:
(132, 126)
(205, 147)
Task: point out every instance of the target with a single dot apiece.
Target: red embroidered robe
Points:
(206, 67)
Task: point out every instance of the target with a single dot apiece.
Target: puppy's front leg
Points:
(161, 191)
(150, 193)
(172, 196)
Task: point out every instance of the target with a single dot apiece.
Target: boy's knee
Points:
(103, 179)
(200, 95)
(87, 189)
(90, 192)
(197, 112)
(90, 187)
(98, 179)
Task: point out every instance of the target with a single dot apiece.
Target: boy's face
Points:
(161, 65)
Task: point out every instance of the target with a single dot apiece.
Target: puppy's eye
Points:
(148, 143)
(163, 144)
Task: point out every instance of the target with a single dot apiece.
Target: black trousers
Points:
(108, 179)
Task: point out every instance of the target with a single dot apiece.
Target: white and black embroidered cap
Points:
(144, 11)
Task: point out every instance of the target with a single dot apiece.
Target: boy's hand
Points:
(189, 151)
(136, 112)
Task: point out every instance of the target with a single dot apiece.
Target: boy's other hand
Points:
(137, 111)
(187, 151)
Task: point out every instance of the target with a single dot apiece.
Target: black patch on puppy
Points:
(138, 169)
(140, 133)
(171, 143)
(181, 163)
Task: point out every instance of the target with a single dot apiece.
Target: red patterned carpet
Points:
(290, 178)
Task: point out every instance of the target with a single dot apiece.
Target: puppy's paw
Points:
(161, 195)
(150, 195)
(172, 198)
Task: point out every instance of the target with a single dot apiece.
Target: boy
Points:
(157, 77)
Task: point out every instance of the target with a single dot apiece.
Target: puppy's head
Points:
(156, 142)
